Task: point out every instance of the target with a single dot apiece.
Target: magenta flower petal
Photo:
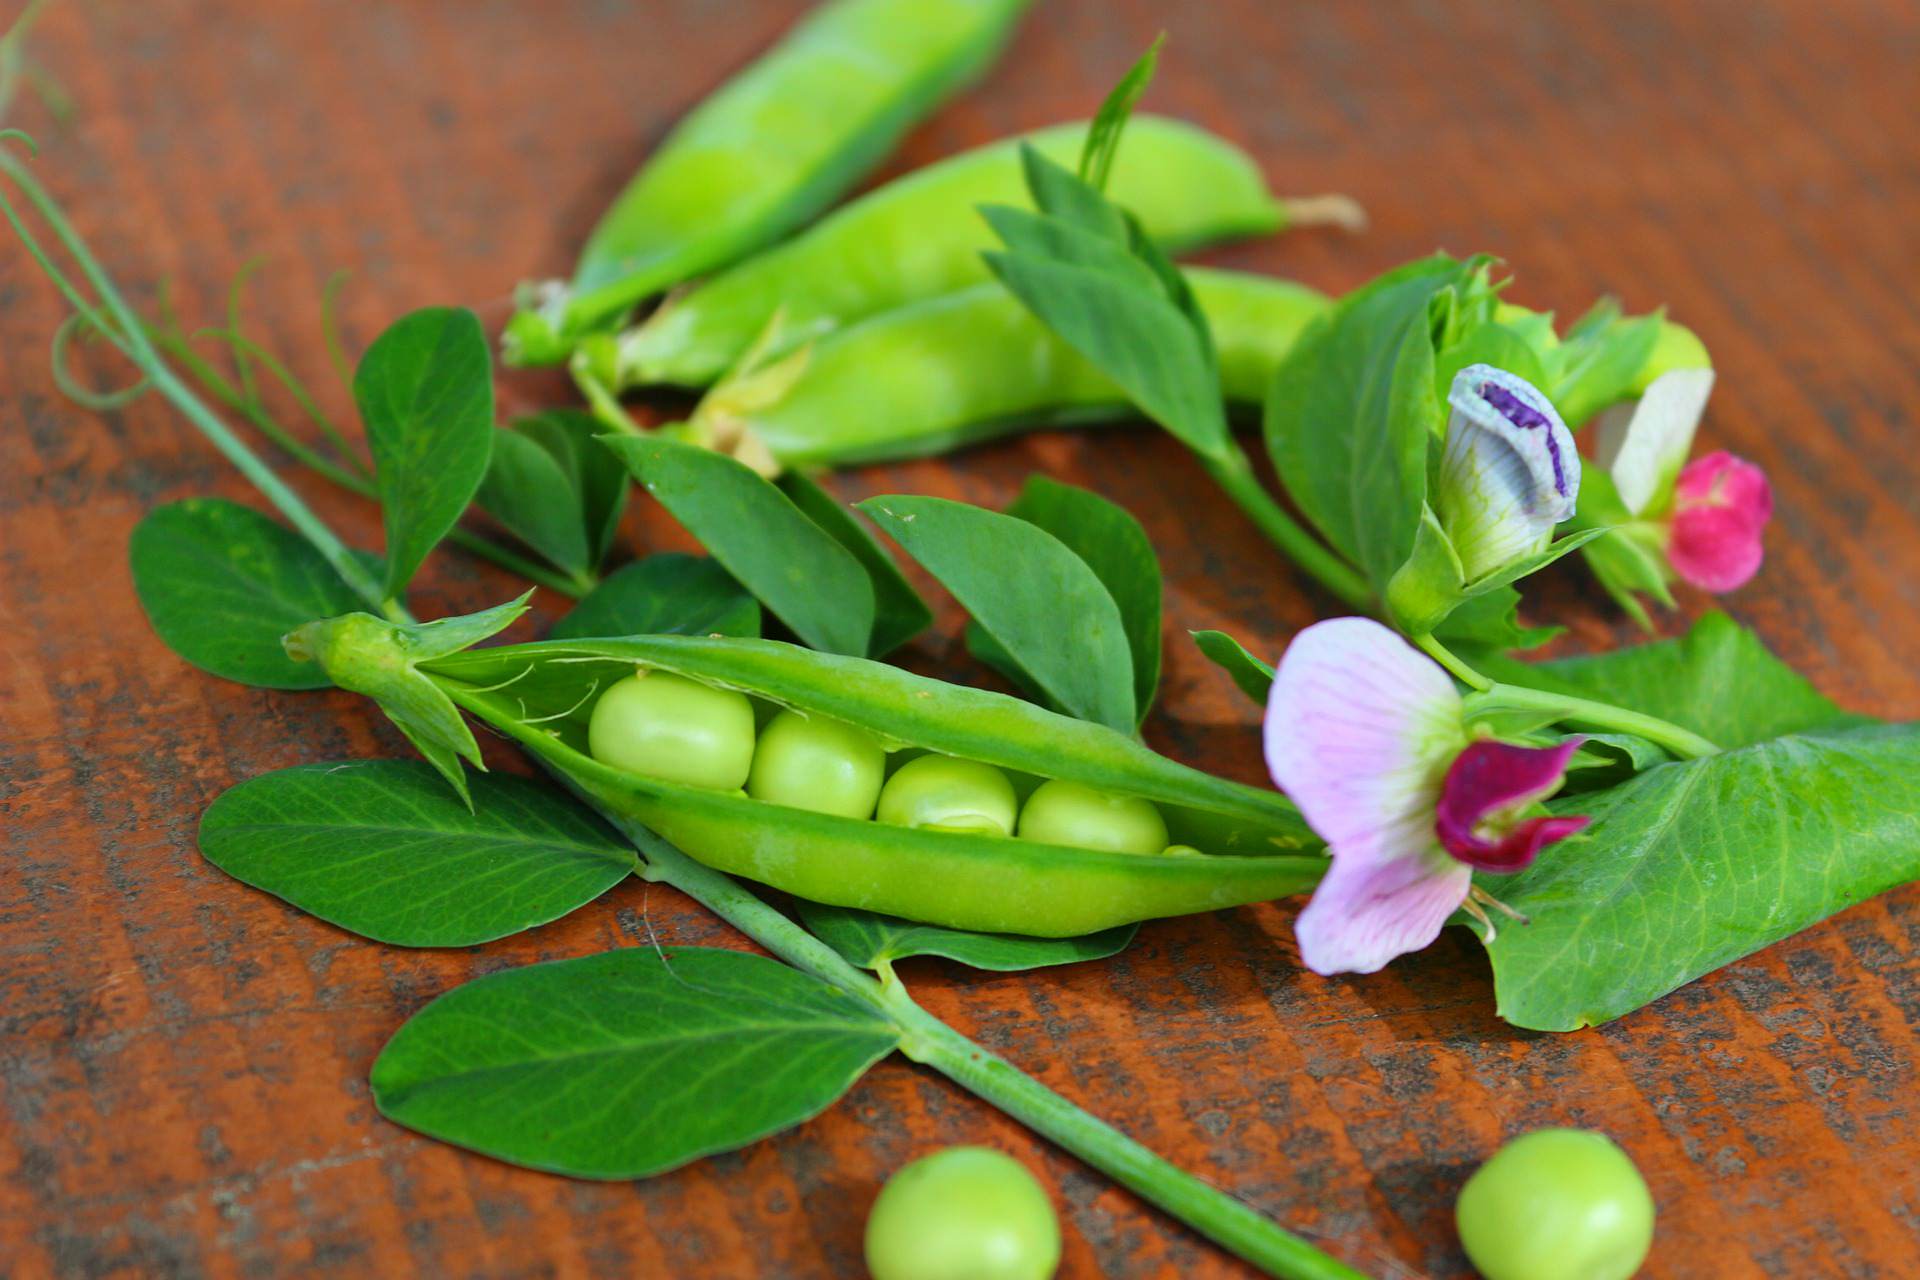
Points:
(1721, 507)
(1486, 789)
(1360, 727)
(1364, 914)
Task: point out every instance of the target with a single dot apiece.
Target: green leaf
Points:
(1692, 865)
(527, 490)
(1103, 138)
(1059, 194)
(1352, 411)
(664, 594)
(870, 941)
(1493, 344)
(800, 571)
(626, 1064)
(221, 584)
(1140, 339)
(1113, 545)
(1718, 680)
(1490, 622)
(599, 482)
(1030, 592)
(899, 612)
(425, 391)
(1254, 677)
(380, 848)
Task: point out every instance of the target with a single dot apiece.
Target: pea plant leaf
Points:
(425, 391)
(629, 1063)
(801, 572)
(899, 612)
(664, 594)
(1053, 617)
(1113, 545)
(1086, 271)
(1103, 138)
(221, 584)
(870, 941)
(1599, 360)
(1719, 681)
(381, 848)
(1352, 411)
(1253, 677)
(530, 493)
(598, 481)
(1691, 865)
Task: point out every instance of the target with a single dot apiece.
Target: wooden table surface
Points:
(184, 1060)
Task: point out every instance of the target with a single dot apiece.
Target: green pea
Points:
(1556, 1204)
(921, 236)
(950, 795)
(966, 1213)
(974, 364)
(1071, 813)
(678, 730)
(817, 764)
(770, 149)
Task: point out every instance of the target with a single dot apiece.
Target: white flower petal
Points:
(1643, 443)
(1362, 915)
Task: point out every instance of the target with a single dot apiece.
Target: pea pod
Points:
(1254, 844)
(773, 147)
(969, 366)
(922, 236)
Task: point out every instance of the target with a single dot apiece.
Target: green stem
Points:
(925, 1039)
(1234, 474)
(1491, 695)
(1683, 743)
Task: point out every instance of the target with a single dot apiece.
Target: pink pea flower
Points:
(1721, 505)
(1368, 736)
(1705, 517)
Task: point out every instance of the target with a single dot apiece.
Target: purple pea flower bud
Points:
(1509, 472)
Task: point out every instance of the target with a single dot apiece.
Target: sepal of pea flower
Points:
(380, 659)
(535, 334)
(760, 380)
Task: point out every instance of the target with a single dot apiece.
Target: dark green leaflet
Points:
(382, 848)
(221, 584)
(1039, 601)
(773, 147)
(1116, 548)
(1253, 676)
(899, 612)
(870, 941)
(1352, 410)
(1103, 139)
(1692, 865)
(801, 572)
(668, 593)
(425, 391)
(629, 1063)
(555, 488)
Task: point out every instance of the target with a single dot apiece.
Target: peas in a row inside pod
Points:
(669, 727)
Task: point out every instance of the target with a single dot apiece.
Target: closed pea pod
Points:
(969, 366)
(770, 149)
(921, 236)
(1252, 840)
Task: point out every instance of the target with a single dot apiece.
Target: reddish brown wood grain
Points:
(183, 1060)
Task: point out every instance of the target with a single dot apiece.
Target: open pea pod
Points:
(1241, 844)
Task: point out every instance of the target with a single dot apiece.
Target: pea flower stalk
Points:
(1370, 738)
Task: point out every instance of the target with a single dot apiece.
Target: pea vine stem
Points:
(1492, 695)
(925, 1039)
